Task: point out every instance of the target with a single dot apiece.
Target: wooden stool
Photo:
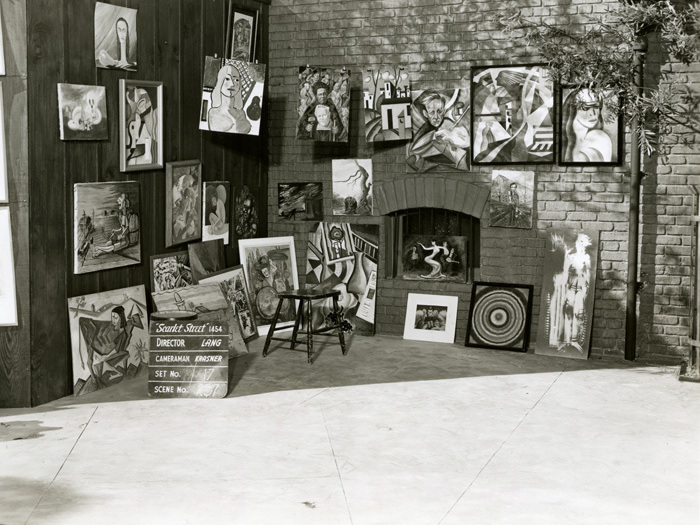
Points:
(306, 296)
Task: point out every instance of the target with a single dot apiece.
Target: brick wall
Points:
(437, 41)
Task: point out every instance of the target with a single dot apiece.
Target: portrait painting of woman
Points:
(115, 37)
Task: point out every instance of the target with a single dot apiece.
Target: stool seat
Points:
(305, 298)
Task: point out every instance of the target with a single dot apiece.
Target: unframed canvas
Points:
(352, 186)
(434, 258)
(324, 104)
(82, 112)
(8, 293)
(431, 318)
(109, 337)
(183, 190)
(215, 214)
(115, 37)
(140, 125)
(246, 213)
(206, 258)
(387, 104)
(512, 198)
(170, 270)
(300, 201)
(3, 153)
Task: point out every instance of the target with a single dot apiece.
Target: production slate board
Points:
(188, 359)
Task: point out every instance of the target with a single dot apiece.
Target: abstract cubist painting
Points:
(324, 104)
(344, 257)
(215, 211)
(300, 201)
(170, 271)
(440, 121)
(246, 213)
(352, 186)
(82, 112)
(209, 303)
(232, 96)
(270, 268)
(183, 201)
(106, 226)
(115, 37)
(140, 125)
(434, 258)
(512, 196)
(568, 290)
(387, 104)
(590, 128)
(109, 337)
(513, 115)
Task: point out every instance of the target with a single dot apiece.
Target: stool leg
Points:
(300, 315)
(341, 335)
(272, 327)
(309, 332)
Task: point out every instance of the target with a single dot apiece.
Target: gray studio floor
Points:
(396, 432)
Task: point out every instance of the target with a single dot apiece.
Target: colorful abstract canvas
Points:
(109, 337)
(324, 104)
(440, 120)
(82, 112)
(512, 198)
(300, 201)
(352, 186)
(387, 104)
(115, 37)
(513, 115)
(434, 258)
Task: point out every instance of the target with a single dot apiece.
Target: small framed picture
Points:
(183, 202)
(499, 316)
(241, 33)
(431, 318)
(140, 125)
(170, 271)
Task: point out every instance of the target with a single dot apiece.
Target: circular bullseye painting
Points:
(499, 316)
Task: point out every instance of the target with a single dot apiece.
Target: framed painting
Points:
(183, 201)
(106, 226)
(500, 316)
(170, 270)
(246, 213)
(215, 216)
(431, 318)
(323, 112)
(2, 49)
(270, 267)
(232, 96)
(440, 120)
(352, 186)
(115, 37)
(512, 115)
(109, 338)
(387, 104)
(512, 199)
(300, 201)
(241, 33)
(568, 290)
(140, 125)
(590, 128)
(233, 285)
(4, 189)
(440, 258)
(8, 291)
(82, 112)
(206, 258)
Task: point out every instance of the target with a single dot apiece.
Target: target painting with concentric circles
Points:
(499, 316)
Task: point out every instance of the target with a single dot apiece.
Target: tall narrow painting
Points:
(106, 226)
(232, 96)
(387, 104)
(344, 257)
(241, 32)
(115, 37)
(8, 292)
(247, 217)
(352, 186)
(140, 125)
(183, 201)
(4, 188)
(440, 120)
(513, 115)
(324, 104)
(215, 211)
(300, 201)
(109, 338)
(512, 196)
(590, 128)
(82, 112)
(568, 290)
(270, 267)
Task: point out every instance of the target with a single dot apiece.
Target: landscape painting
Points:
(115, 37)
(215, 211)
(512, 198)
(82, 112)
(352, 186)
(323, 113)
(300, 201)
(387, 104)
(106, 224)
(170, 270)
(434, 258)
(109, 337)
(183, 201)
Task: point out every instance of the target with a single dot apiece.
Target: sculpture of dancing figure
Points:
(436, 272)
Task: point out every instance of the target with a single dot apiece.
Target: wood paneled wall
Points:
(173, 38)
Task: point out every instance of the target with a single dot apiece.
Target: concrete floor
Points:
(396, 432)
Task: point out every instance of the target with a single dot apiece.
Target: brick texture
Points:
(437, 41)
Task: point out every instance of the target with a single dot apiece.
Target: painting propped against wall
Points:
(324, 104)
(513, 115)
(247, 217)
(232, 96)
(568, 290)
(215, 211)
(4, 189)
(115, 37)
(206, 258)
(344, 257)
(512, 198)
(106, 225)
(387, 104)
(8, 291)
(434, 258)
(140, 125)
(183, 190)
(431, 318)
(82, 112)
(170, 271)
(300, 201)
(352, 186)
(440, 121)
(109, 337)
